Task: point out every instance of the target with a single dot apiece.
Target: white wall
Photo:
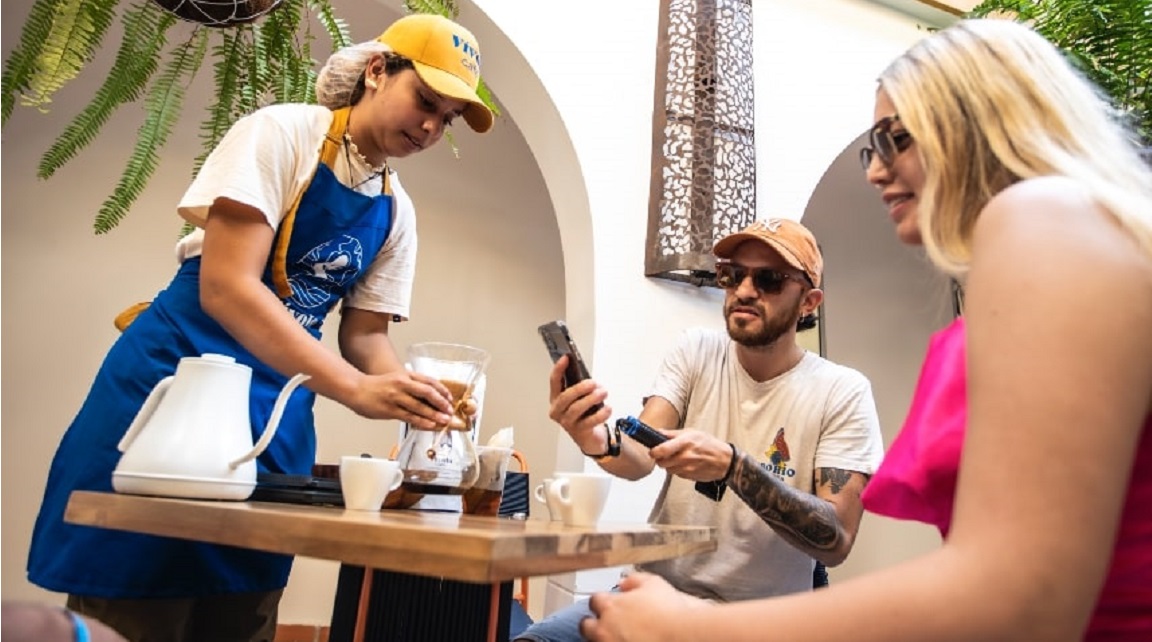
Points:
(816, 69)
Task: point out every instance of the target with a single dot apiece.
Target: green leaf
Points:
(256, 84)
(163, 105)
(337, 29)
(446, 8)
(78, 27)
(222, 113)
(1108, 40)
(486, 97)
(281, 35)
(20, 68)
(145, 27)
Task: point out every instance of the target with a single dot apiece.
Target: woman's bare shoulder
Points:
(1056, 220)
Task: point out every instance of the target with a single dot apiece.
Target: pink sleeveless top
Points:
(917, 481)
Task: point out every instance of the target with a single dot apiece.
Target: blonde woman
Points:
(1008, 167)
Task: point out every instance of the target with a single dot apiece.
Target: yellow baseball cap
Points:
(447, 58)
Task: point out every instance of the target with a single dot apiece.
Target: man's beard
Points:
(772, 328)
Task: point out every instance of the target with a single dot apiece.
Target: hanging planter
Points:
(218, 13)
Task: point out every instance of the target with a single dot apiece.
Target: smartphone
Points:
(559, 343)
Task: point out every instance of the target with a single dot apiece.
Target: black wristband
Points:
(613, 445)
(731, 466)
(714, 490)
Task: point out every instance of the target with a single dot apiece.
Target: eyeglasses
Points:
(885, 143)
(766, 280)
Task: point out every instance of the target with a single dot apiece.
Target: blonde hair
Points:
(990, 103)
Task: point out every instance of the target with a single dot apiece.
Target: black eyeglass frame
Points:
(766, 280)
(883, 143)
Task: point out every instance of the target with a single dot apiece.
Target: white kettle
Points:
(193, 437)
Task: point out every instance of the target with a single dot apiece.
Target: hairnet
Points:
(338, 77)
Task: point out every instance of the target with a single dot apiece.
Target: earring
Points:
(369, 83)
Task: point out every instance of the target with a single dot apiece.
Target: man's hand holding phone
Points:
(579, 409)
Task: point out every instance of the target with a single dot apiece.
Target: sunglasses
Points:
(884, 143)
(766, 280)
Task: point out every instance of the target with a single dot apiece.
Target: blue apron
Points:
(323, 246)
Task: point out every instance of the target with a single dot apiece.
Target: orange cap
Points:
(789, 239)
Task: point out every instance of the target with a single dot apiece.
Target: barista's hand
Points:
(647, 608)
(419, 400)
(693, 455)
(568, 408)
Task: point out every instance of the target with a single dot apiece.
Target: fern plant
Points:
(259, 58)
(1109, 40)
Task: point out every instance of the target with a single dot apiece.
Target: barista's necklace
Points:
(373, 171)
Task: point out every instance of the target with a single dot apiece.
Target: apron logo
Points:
(321, 276)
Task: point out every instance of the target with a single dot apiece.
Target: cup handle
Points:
(399, 477)
(558, 490)
(541, 490)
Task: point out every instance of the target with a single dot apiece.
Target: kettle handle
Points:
(145, 413)
(273, 422)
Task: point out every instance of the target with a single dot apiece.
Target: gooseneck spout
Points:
(273, 421)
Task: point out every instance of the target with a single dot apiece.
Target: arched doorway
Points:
(883, 301)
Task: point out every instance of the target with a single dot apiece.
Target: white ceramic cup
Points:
(541, 494)
(366, 481)
(579, 496)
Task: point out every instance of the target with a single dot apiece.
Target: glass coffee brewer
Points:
(442, 460)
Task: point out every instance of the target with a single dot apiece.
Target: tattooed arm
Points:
(823, 525)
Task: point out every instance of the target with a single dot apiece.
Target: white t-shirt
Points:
(266, 159)
(817, 415)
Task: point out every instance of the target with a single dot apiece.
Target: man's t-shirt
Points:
(817, 415)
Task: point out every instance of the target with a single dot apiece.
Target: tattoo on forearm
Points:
(802, 518)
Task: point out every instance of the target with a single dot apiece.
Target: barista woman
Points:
(296, 209)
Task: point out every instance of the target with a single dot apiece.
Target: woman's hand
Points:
(646, 609)
(421, 401)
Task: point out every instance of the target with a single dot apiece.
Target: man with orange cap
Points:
(792, 436)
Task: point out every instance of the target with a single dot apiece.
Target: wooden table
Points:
(468, 548)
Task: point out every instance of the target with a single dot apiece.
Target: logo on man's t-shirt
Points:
(778, 457)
